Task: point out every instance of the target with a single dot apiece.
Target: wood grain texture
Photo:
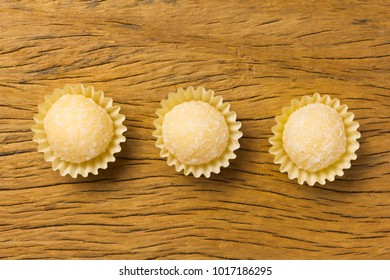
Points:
(258, 55)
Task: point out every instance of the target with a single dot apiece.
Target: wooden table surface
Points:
(258, 55)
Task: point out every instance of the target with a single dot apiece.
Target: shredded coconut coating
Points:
(314, 137)
(195, 132)
(77, 128)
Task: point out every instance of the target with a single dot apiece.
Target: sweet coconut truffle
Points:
(314, 137)
(195, 132)
(77, 128)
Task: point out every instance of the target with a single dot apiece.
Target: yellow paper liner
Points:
(92, 165)
(335, 169)
(201, 94)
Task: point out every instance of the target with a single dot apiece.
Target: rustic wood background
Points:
(258, 55)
